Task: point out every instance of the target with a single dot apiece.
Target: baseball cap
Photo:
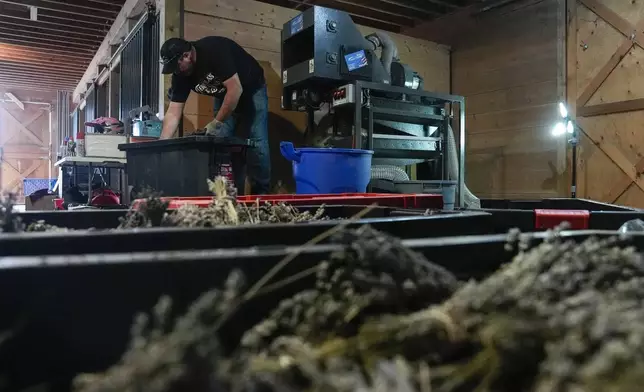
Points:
(170, 52)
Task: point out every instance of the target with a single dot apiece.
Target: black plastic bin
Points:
(180, 166)
(561, 203)
(72, 314)
(287, 234)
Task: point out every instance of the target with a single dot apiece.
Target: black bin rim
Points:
(198, 140)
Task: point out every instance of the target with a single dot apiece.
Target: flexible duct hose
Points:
(389, 48)
(470, 200)
(388, 172)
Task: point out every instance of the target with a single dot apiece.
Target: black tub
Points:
(72, 314)
(172, 239)
(179, 167)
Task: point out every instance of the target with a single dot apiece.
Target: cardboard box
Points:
(104, 146)
(45, 203)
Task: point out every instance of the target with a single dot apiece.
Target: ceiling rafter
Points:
(74, 19)
(65, 8)
(44, 28)
(69, 42)
(40, 56)
(86, 5)
(15, 70)
(60, 47)
(72, 25)
(391, 15)
(52, 51)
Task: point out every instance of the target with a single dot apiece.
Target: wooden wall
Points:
(24, 137)
(257, 26)
(510, 69)
(606, 85)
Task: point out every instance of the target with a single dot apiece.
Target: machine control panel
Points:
(343, 95)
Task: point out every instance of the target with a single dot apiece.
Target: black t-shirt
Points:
(218, 59)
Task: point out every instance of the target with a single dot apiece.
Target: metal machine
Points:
(357, 99)
(145, 123)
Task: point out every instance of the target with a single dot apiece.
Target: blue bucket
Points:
(329, 170)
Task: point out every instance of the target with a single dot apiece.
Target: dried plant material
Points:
(168, 358)
(153, 211)
(561, 317)
(150, 213)
(41, 225)
(223, 211)
(374, 274)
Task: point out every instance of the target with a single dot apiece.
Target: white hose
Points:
(470, 200)
(388, 172)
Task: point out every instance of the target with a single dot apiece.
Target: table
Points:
(93, 162)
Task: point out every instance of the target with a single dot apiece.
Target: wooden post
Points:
(172, 17)
(570, 67)
(172, 22)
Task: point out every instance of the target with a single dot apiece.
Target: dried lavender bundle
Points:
(373, 274)
(223, 211)
(166, 357)
(562, 316)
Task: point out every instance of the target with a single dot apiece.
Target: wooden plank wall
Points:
(256, 26)
(606, 84)
(509, 66)
(24, 137)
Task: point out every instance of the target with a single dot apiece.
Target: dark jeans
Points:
(251, 118)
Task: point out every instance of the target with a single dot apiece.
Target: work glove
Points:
(214, 128)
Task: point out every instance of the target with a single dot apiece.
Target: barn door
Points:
(24, 139)
(605, 66)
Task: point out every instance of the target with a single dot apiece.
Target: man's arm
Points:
(171, 119)
(231, 99)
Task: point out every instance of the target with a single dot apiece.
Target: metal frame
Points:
(360, 86)
(107, 164)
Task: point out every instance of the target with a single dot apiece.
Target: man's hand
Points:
(213, 127)
(171, 119)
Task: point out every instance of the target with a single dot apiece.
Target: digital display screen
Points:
(355, 60)
(297, 24)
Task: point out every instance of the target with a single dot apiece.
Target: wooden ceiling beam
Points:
(87, 5)
(109, 3)
(67, 9)
(75, 19)
(53, 47)
(27, 80)
(58, 74)
(35, 81)
(358, 17)
(56, 64)
(383, 9)
(69, 23)
(412, 7)
(38, 88)
(49, 37)
(21, 51)
(70, 68)
(25, 74)
(443, 3)
(36, 26)
(43, 72)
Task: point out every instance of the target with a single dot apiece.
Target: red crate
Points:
(425, 200)
(549, 219)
